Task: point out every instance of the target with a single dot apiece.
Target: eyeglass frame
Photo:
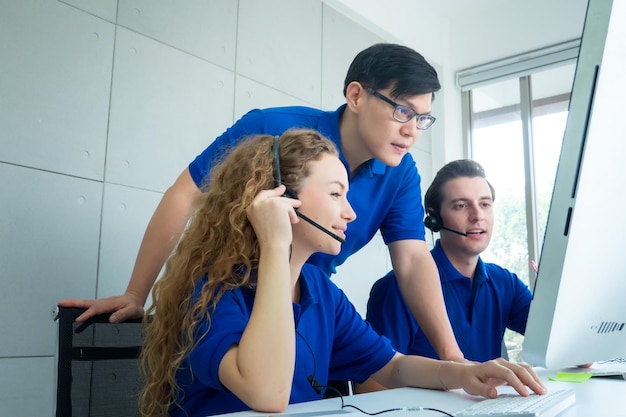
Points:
(396, 106)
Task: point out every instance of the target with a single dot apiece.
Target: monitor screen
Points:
(578, 311)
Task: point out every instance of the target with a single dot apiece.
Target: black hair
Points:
(386, 65)
(451, 170)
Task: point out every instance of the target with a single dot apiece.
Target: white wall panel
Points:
(55, 81)
(206, 28)
(414, 23)
(424, 142)
(279, 44)
(125, 214)
(424, 163)
(166, 107)
(106, 9)
(342, 40)
(27, 386)
(249, 95)
(50, 228)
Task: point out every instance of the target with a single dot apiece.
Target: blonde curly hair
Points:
(219, 243)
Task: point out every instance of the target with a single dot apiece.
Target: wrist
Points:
(451, 374)
(139, 299)
(438, 373)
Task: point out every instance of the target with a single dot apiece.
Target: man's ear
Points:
(354, 95)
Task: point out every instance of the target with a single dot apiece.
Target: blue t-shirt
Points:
(342, 346)
(479, 312)
(385, 198)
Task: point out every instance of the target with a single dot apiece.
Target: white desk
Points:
(602, 397)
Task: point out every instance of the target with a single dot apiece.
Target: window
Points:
(516, 131)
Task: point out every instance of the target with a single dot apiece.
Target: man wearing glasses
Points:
(389, 89)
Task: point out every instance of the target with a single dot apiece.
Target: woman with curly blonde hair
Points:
(241, 321)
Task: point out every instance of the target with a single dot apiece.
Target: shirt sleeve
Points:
(388, 314)
(228, 323)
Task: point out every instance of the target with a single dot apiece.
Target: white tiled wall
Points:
(102, 105)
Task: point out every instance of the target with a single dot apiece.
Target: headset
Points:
(292, 194)
(434, 223)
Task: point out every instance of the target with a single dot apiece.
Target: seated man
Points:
(482, 299)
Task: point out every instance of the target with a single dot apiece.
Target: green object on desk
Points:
(571, 376)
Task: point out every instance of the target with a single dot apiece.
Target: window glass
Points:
(498, 145)
(551, 93)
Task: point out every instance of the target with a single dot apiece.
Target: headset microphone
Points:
(319, 226)
(433, 222)
(453, 231)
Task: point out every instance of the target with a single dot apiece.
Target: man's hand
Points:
(123, 307)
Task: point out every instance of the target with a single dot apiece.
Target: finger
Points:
(87, 314)
(280, 190)
(265, 194)
(276, 192)
(76, 303)
(490, 375)
(517, 385)
(534, 375)
(126, 313)
(527, 376)
(97, 307)
(86, 304)
(293, 217)
(521, 381)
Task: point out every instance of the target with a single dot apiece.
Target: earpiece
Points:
(290, 194)
(434, 223)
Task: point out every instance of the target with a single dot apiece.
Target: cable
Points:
(410, 408)
(319, 388)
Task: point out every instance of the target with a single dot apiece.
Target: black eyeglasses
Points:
(403, 114)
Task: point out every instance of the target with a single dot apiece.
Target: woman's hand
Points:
(484, 378)
(272, 215)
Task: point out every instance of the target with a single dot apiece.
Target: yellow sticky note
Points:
(571, 376)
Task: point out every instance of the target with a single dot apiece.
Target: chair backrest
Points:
(337, 388)
(98, 372)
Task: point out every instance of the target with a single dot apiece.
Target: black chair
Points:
(338, 388)
(98, 373)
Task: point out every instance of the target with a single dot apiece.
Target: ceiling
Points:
(460, 34)
(464, 33)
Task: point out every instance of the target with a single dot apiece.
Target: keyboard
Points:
(513, 405)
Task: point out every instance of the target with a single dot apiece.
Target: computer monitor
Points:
(578, 311)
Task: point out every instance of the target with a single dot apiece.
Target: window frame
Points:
(521, 67)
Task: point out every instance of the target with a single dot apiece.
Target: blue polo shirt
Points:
(479, 312)
(342, 346)
(385, 198)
